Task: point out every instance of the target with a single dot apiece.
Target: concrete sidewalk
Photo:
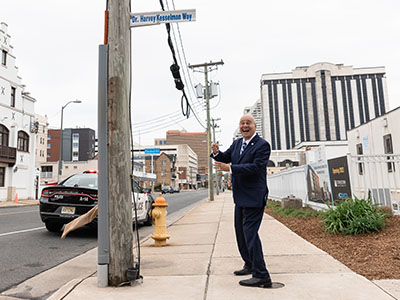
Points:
(30, 202)
(202, 254)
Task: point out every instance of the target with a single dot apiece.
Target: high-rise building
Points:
(256, 112)
(197, 141)
(320, 102)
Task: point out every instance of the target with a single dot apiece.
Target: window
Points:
(12, 97)
(49, 136)
(2, 175)
(163, 163)
(23, 141)
(46, 172)
(3, 135)
(360, 152)
(48, 146)
(75, 136)
(4, 57)
(388, 146)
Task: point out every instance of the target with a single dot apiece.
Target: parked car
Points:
(176, 189)
(76, 195)
(167, 189)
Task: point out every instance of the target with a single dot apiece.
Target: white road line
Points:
(21, 231)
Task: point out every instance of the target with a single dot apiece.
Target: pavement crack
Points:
(212, 254)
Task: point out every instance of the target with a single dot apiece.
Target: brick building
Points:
(197, 141)
(78, 144)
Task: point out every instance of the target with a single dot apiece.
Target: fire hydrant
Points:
(159, 215)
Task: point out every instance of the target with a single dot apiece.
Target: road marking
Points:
(18, 212)
(21, 231)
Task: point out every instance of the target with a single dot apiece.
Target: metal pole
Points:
(214, 140)
(61, 145)
(61, 138)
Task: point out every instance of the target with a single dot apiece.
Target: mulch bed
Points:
(374, 255)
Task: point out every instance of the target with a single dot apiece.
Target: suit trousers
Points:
(247, 223)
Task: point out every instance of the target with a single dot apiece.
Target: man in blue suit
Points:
(247, 159)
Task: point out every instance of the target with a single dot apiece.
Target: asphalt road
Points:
(28, 249)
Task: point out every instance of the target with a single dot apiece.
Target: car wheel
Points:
(149, 220)
(53, 227)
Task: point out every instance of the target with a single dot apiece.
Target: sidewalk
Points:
(4, 204)
(202, 254)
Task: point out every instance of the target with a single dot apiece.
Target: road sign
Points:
(158, 17)
(152, 151)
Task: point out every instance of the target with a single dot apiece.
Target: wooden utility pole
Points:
(119, 157)
(207, 96)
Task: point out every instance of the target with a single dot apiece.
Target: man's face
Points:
(247, 126)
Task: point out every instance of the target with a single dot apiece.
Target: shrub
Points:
(354, 216)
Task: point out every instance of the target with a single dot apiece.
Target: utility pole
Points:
(214, 141)
(207, 92)
(118, 137)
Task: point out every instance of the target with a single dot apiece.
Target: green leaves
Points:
(354, 216)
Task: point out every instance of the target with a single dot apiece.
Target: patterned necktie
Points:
(243, 147)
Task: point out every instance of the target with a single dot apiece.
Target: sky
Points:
(56, 47)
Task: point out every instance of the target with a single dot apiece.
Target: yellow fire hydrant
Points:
(159, 215)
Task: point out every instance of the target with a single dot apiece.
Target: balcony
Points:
(8, 155)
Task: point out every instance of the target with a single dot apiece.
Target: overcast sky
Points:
(56, 47)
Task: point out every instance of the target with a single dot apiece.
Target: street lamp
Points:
(61, 139)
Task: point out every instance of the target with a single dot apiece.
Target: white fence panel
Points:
(290, 182)
(376, 177)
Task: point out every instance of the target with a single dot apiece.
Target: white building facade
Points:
(320, 102)
(41, 140)
(375, 160)
(18, 128)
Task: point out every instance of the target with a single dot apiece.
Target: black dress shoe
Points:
(256, 282)
(244, 271)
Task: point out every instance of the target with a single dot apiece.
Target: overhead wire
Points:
(177, 76)
(183, 54)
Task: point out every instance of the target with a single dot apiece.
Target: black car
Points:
(76, 195)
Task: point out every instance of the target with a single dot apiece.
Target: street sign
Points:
(152, 151)
(158, 17)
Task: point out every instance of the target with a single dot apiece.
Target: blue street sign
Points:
(152, 151)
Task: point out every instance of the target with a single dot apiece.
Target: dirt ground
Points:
(375, 255)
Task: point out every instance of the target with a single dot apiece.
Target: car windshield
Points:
(82, 180)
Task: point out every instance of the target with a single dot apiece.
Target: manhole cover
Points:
(277, 285)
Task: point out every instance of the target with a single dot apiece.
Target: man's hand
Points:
(215, 148)
(219, 166)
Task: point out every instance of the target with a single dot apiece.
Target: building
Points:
(179, 168)
(374, 159)
(197, 141)
(160, 141)
(320, 102)
(18, 128)
(78, 144)
(41, 140)
(256, 112)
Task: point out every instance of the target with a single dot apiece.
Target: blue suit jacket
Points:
(249, 171)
